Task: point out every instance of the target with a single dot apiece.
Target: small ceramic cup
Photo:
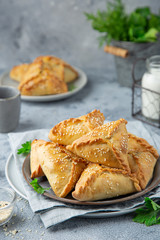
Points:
(9, 108)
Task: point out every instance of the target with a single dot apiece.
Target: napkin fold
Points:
(54, 212)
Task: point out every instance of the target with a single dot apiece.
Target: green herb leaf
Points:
(145, 11)
(26, 148)
(37, 187)
(71, 87)
(151, 34)
(154, 22)
(149, 214)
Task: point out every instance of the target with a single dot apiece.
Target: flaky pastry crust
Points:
(100, 182)
(71, 129)
(142, 158)
(61, 168)
(36, 170)
(69, 73)
(105, 145)
(17, 72)
(39, 80)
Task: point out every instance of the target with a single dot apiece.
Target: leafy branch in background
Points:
(139, 26)
(149, 214)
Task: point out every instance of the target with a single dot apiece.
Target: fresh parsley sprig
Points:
(26, 148)
(71, 87)
(37, 187)
(149, 214)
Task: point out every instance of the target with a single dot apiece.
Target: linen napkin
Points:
(54, 212)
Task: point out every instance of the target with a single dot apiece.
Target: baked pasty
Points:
(39, 80)
(99, 160)
(36, 170)
(105, 145)
(99, 182)
(44, 76)
(142, 158)
(69, 130)
(61, 168)
(69, 73)
(17, 72)
(38, 66)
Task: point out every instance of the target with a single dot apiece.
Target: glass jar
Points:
(7, 204)
(151, 89)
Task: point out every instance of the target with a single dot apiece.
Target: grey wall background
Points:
(29, 28)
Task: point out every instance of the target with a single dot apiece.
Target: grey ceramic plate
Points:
(78, 84)
(15, 182)
(44, 183)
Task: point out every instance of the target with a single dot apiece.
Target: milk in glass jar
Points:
(151, 89)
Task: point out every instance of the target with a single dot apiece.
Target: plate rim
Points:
(8, 178)
(87, 215)
(52, 97)
(99, 202)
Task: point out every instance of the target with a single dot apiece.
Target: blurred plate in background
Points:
(74, 87)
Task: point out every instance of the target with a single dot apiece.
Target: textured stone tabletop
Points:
(28, 30)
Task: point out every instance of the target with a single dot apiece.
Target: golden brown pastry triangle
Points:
(56, 64)
(36, 170)
(39, 80)
(100, 182)
(34, 70)
(69, 130)
(105, 145)
(142, 158)
(61, 167)
(17, 72)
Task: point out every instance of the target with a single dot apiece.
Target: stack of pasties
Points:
(44, 76)
(97, 160)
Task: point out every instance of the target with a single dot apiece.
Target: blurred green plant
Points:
(141, 25)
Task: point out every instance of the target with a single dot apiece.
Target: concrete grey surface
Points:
(31, 28)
